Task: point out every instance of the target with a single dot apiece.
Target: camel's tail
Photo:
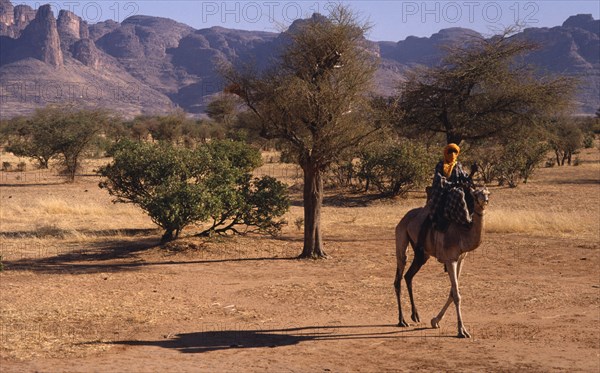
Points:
(402, 241)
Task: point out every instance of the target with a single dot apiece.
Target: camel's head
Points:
(482, 197)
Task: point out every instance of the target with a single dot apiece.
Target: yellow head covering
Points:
(451, 152)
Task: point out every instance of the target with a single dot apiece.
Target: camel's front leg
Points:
(453, 273)
(435, 322)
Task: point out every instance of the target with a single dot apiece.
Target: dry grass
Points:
(10, 157)
(59, 206)
(51, 216)
(538, 222)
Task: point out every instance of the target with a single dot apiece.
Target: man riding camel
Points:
(447, 201)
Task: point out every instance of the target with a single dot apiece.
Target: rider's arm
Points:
(463, 176)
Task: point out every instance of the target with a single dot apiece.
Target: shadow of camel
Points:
(207, 341)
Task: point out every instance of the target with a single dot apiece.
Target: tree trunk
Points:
(453, 138)
(313, 202)
(70, 164)
(43, 162)
(167, 236)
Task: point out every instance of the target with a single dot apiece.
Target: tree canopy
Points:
(58, 131)
(480, 90)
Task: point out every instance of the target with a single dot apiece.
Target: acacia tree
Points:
(222, 109)
(314, 100)
(168, 128)
(63, 131)
(27, 140)
(481, 90)
(565, 139)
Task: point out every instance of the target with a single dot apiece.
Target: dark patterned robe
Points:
(447, 202)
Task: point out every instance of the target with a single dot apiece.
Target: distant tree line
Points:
(68, 135)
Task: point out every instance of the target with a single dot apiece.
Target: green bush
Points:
(395, 168)
(588, 140)
(519, 160)
(341, 174)
(488, 157)
(238, 199)
(155, 178)
(264, 201)
(178, 187)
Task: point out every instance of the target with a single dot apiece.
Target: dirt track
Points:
(121, 304)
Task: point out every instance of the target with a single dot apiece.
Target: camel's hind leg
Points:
(401, 246)
(401, 321)
(419, 260)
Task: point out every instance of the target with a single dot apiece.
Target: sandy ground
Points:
(91, 291)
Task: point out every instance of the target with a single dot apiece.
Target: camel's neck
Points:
(475, 235)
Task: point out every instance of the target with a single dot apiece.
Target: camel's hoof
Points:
(463, 334)
(403, 324)
(435, 323)
(415, 317)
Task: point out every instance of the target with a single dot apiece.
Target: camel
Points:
(449, 248)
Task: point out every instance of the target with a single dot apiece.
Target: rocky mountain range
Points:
(154, 65)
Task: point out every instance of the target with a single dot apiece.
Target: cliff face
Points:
(425, 51)
(143, 37)
(52, 61)
(13, 20)
(23, 15)
(6, 13)
(71, 28)
(38, 40)
(173, 65)
(572, 49)
(584, 22)
(85, 51)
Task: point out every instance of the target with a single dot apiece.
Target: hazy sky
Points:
(392, 19)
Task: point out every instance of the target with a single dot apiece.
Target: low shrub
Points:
(211, 184)
(395, 168)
